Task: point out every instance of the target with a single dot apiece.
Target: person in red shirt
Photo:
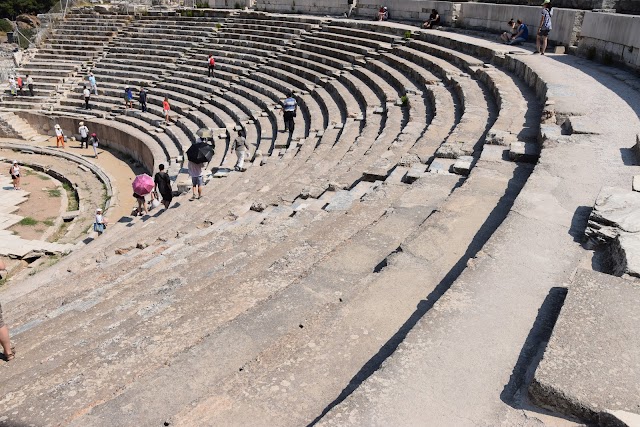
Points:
(212, 65)
(20, 84)
(166, 108)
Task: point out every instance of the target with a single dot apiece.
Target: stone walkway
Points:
(10, 244)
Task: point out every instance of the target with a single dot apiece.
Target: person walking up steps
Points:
(92, 83)
(84, 135)
(13, 86)
(30, 84)
(20, 85)
(87, 97)
(59, 137)
(289, 109)
(166, 108)
(211, 63)
(163, 186)
(242, 148)
(14, 171)
(128, 97)
(100, 223)
(195, 172)
(142, 97)
(544, 27)
(94, 143)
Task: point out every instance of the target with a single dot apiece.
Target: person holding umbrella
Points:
(142, 185)
(199, 155)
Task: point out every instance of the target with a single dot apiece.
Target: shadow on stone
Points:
(579, 223)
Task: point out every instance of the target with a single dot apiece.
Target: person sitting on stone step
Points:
(434, 19)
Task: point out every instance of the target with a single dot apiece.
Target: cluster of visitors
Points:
(86, 139)
(519, 33)
(16, 85)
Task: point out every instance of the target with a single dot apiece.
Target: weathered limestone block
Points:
(462, 166)
(526, 152)
(615, 211)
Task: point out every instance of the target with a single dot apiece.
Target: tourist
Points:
(241, 147)
(544, 27)
(142, 206)
(289, 109)
(87, 96)
(84, 135)
(351, 4)
(128, 97)
(92, 83)
(13, 86)
(166, 108)
(20, 85)
(14, 171)
(506, 37)
(30, 84)
(59, 136)
(383, 13)
(142, 97)
(212, 65)
(163, 186)
(100, 223)
(195, 172)
(5, 340)
(434, 19)
(521, 36)
(94, 143)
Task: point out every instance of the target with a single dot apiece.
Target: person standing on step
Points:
(92, 83)
(100, 223)
(544, 27)
(87, 97)
(30, 84)
(195, 172)
(59, 136)
(20, 85)
(128, 97)
(211, 63)
(94, 143)
(163, 186)
(14, 171)
(166, 108)
(13, 86)
(142, 97)
(5, 340)
(84, 135)
(289, 108)
(242, 149)
(351, 4)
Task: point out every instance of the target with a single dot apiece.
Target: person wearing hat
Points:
(544, 28)
(13, 85)
(100, 223)
(84, 135)
(94, 143)
(14, 171)
(93, 84)
(59, 136)
(128, 97)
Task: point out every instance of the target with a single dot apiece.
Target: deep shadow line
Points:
(535, 343)
(493, 221)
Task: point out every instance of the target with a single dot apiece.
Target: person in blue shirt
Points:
(92, 83)
(289, 108)
(521, 36)
(128, 97)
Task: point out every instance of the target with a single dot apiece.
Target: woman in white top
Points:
(14, 171)
(100, 223)
(544, 28)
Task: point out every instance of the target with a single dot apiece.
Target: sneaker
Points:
(536, 53)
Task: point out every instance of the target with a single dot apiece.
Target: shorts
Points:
(197, 180)
(15, 176)
(1, 319)
(544, 32)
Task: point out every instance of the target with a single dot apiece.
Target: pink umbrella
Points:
(142, 184)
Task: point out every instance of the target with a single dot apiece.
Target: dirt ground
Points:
(43, 205)
(121, 171)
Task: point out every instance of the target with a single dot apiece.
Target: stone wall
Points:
(611, 38)
(312, 7)
(228, 4)
(109, 133)
(494, 17)
(568, 4)
(408, 10)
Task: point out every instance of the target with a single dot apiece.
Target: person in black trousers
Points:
(143, 99)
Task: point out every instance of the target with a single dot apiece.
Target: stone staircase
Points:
(12, 126)
(276, 295)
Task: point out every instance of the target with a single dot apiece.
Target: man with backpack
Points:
(84, 135)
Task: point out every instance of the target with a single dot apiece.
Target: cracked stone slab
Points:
(592, 361)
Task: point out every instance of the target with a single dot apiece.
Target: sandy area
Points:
(43, 205)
